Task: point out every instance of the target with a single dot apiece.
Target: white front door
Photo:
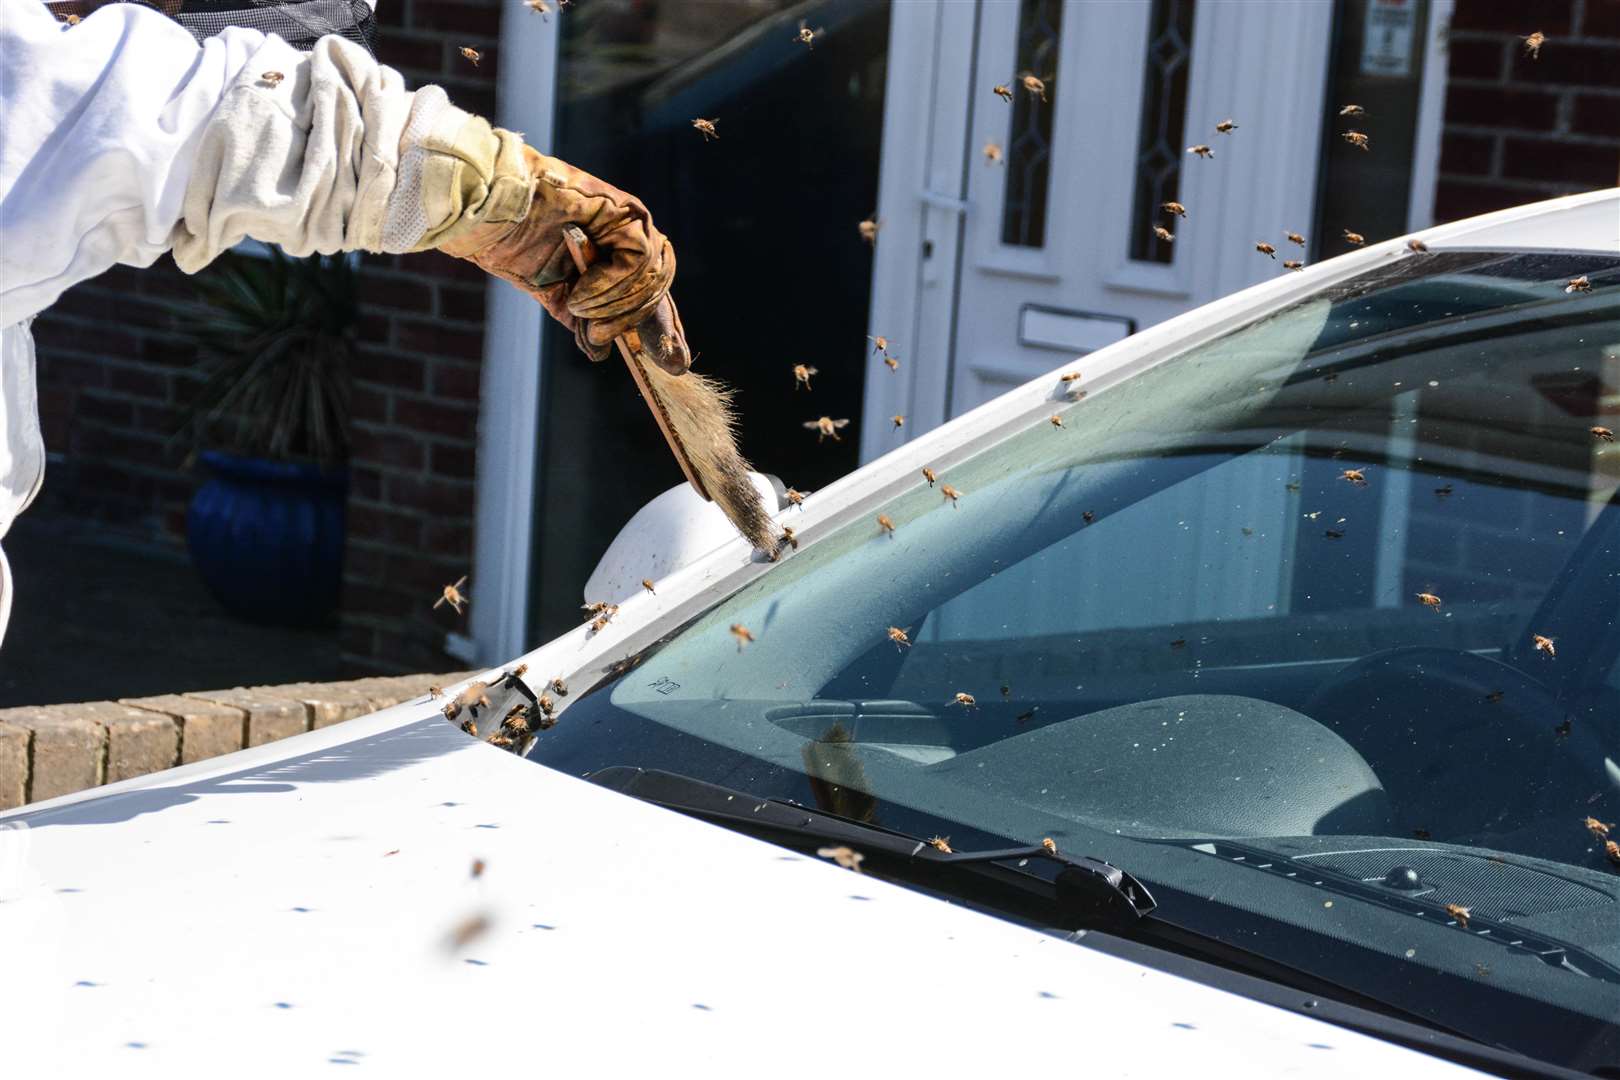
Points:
(989, 272)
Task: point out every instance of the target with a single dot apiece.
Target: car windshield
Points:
(1311, 627)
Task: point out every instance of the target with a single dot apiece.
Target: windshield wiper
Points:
(1088, 893)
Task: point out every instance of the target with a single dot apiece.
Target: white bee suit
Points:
(122, 138)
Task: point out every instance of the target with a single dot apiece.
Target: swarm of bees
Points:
(1226, 127)
(1533, 43)
(743, 635)
(964, 699)
(1002, 91)
(950, 493)
(472, 54)
(453, 596)
(1460, 913)
(1602, 434)
(885, 524)
(1266, 249)
(824, 426)
(848, 858)
(1578, 284)
(1356, 139)
(272, 79)
(1429, 600)
(992, 153)
(1544, 645)
(706, 128)
(899, 637)
(801, 376)
(1201, 150)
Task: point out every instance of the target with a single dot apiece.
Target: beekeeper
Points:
(124, 136)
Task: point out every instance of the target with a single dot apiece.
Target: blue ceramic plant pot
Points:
(267, 537)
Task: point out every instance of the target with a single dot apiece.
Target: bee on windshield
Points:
(435, 692)
(1225, 127)
(950, 493)
(848, 858)
(1293, 264)
(1087, 516)
(472, 54)
(1163, 233)
(1179, 643)
(478, 868)
(1354, 238)
(1429, 600)
(1055, 420)
(1495, 697)
(743, 635)
(1069, 377)
(1049, 844)
(880, 344)
(1352, 110)
(545, 704)
(1598, 829)
(1266, 249)
(1417, 247)
(891, 362)
(1578, 284)
(825, 426)
(271, 79)
(898, 421)
(869, 230)
(1292, 485)
(1563, 728)
(885, 524)
(1544, 644)
(1034, 87)
(1612, 850)
(647, 583)
(1201, 150)
(1333, 534)
(964, 699)
(600, 607)
(1174, 208)
(466, 932)
(788, 539)
(1460, 913)
(559, 687)
(1421, 834)
(453, 596)
(795, 497)
(1443, 491)
(941, 844)
(801, 376)
(899, 637)
(706, 128)
(1533, 44)
(516, 722)
(992, 153)
(1602, 434)
(806, 36)
(1358, 477)
(1295, 238)
(1002, 91)
(599, 624)
(929, 475)
(1356, 139)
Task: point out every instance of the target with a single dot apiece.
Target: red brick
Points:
(457, 19)
(70, 370)
(424, 574)
(361, 561)
(98, 340)
(376, 600)
(415, 335)
(477, 98)
(364, 483)
(436, 418)
(453, 461)
(396, 291)
(388, 368)
(450, 539)
(462, 302)
(374, 327)
(1458, 199)
(56, 410)
(404, 51)
(386, 446)
(106, 410)
(127, 448)
(1493, 106)
(137, 381)
(1517, 17)
(1595, 115)
(1602, 19)
(453, 380)
(384, 526)
(1569, 166)
(1477, 59)
(158, 418)
(1466, 154)
(172, 352)
(432, 496)
(1577, 65)
(366, 404)
(356, 640)
(436, 264)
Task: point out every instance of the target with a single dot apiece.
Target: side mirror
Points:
(674, 530)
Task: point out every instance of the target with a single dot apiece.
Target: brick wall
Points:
(115, 366)
(1518, 129)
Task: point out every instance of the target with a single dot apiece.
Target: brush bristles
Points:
(699, 411)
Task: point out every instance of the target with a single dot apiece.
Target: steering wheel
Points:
(1464, 744)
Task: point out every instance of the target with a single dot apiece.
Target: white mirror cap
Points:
(673, 530)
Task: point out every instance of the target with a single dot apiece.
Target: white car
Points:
(1248, 704)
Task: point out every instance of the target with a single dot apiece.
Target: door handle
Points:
(943, 202)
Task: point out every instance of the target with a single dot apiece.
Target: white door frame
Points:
(1431, 117)
(509, 396)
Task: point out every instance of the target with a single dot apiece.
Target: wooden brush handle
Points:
(583, 252)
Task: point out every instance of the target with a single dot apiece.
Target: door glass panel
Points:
(1029, 149)
(1164, 123)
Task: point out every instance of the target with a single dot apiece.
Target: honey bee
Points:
(801, 376)
(1358, 477)
(795, 497)
(1333, 534)
(1292, 485)
(1293, 264)
(885, 524)
(1356, 139)
(1544, 644)
(1602, 434)
(435, 692)
(1460, 913)
(1174, 208)
(600, 607)
(1562, 729)
(950, 493)
(1428, 599)
(806, 36)
(1533, 44)
(1033, 86)
(1578, 284)
(1069, 377)
(504, 742)
(1354, 238)
(848, 858)
(1266, 249)
(1443, 491)
(880, 344)
(992, 153)
(453, 596)
(1421, 834)
(1163, 233)
(1049, 844)
(1087, 516)
(869, 230)
(899, 637)
(541, 8)
(1598, 829)
(546, 705)
(825, 426)
(1201, 150)
(898, 421)
(1612, 850)
(599, 624)
(1352, 110)
(1179, 643)
(1416, 246)
(472, 54)
(272, 79)
(1225, 126)
(1002, 91)
(1494, 697)
(789, 538)
(964, 699)
(559, 687)
(478, 868)
(1055, 420)
(1295, 238)
(706, 128)
(70, 19)
(470, 727)
(929, 475)
(743, 635)
(647, 583)
(467, 931)
(891, 362)
(941, 844)
(516, 722)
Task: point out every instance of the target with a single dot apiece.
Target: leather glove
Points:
(514, 203)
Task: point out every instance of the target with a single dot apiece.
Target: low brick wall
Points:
(51, 750)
